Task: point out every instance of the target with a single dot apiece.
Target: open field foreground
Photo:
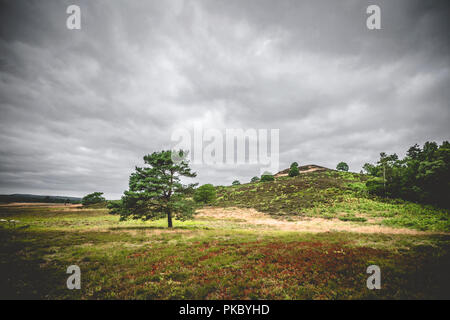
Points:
(223, 253)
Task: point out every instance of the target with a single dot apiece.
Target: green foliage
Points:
(255, 179)
(93, 198)
(353, 218)
(235, 183)
(156, 191)
(293, 170)
(267, 177)
(114, 206)
(205, 194)
(375, 186)
(342, 166)
(370, 169)
(423, 175)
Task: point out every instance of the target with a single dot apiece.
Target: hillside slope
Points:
(332, 195)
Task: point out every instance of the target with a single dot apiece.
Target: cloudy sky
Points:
(79, 108)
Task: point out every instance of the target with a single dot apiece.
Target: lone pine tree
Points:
(156, 191)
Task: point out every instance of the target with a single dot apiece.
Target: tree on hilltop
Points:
(342, 166)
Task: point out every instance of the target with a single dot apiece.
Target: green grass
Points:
(332, 194)
(210, 259)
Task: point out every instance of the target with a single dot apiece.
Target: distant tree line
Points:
(37, 198)
(423, 175)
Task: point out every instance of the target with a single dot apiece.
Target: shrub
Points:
(267, 177)
(293, 171)
(255, 179)
(375, 186)
(342, 166)
(352, 218)
(205, 194)
(235, 183)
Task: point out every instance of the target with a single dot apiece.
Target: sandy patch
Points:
(306, 224)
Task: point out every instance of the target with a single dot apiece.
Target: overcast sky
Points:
(79, 108)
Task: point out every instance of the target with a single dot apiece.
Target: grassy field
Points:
(228, 256)
(332, 194)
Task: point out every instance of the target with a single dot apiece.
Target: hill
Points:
(37, 198)
(331, 194)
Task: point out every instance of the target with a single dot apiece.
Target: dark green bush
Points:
(342, 166)
(205, 194)
(267, 177)
(293, 171)
(375, 186)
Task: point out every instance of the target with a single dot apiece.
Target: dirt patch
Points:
(306, 224)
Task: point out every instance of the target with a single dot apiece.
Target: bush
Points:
(93, 198)
(205, 194)
(293, 171)
(267, 177)
(375, 186)
(342, 166)
(255, 179)
(235, 183)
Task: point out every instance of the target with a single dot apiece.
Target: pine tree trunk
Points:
(169, 218)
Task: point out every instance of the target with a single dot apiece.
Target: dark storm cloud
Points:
(78, 109)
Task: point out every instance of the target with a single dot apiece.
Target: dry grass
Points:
(302, 224)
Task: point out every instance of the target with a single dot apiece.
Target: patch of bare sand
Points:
(306, 224)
